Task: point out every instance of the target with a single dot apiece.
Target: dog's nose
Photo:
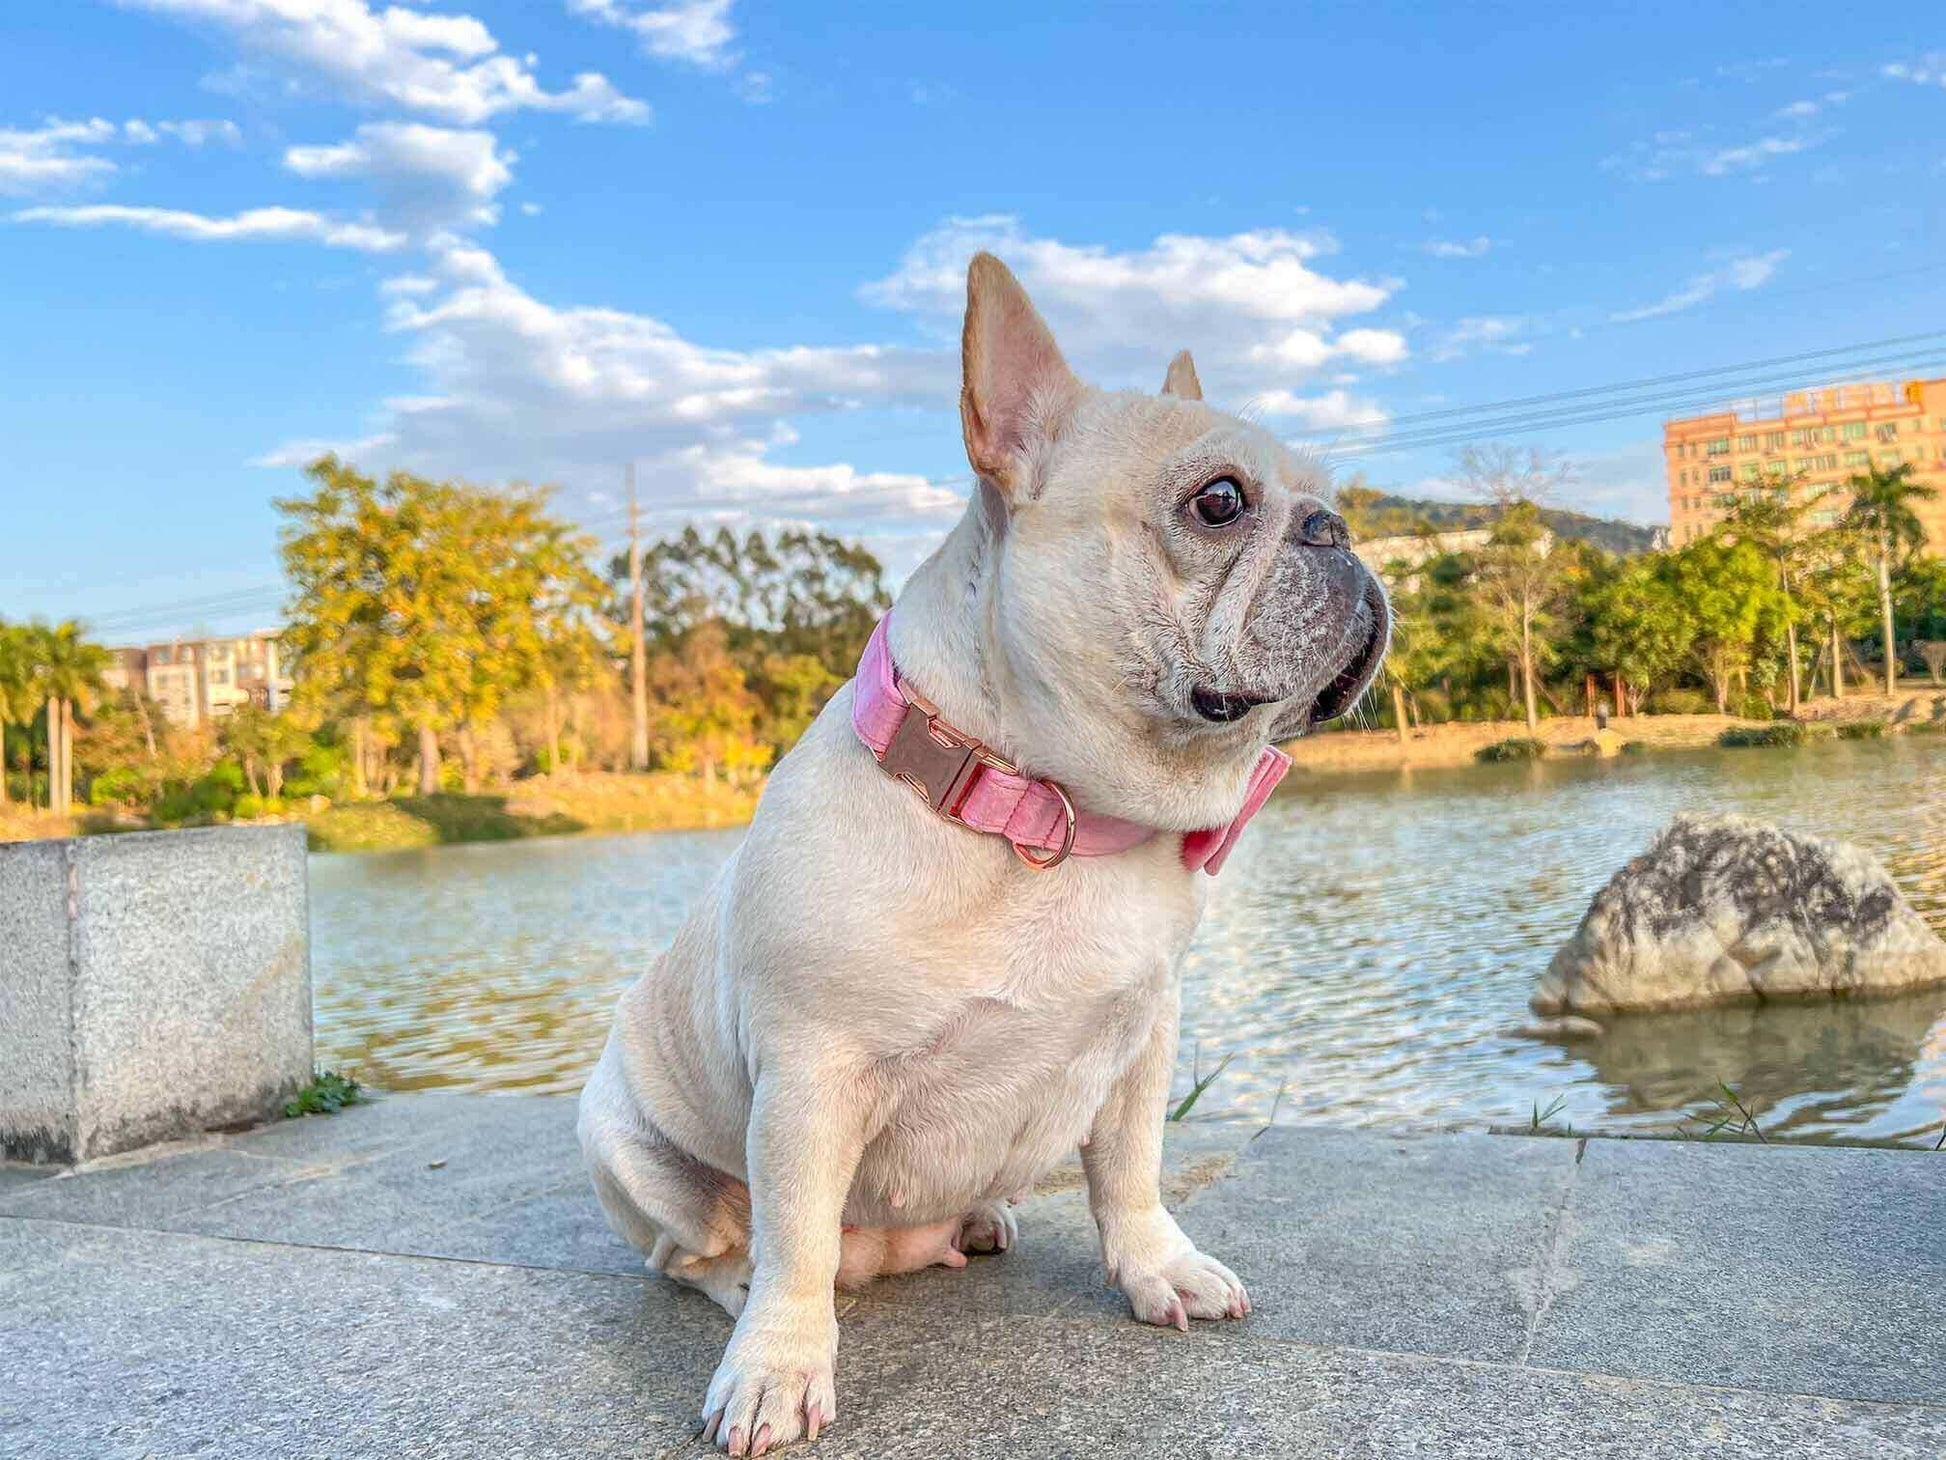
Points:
(1321, 528)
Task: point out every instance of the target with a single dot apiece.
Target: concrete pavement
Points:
(430, 1276)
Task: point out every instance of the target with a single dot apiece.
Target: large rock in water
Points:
(1720, 909)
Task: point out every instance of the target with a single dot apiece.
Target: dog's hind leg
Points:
(689, 1220)
(989, 1227)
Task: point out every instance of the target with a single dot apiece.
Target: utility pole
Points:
(638, 669)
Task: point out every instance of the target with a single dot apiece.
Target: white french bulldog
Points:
(884, 1020)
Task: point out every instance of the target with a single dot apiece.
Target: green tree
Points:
(264, 744)
(1730, 591)
(1519, 578)
(1772, 520)
(424, 601)
(68, 670)
(1519, 575)
(19, 694)
(795, 609)
(1642, 627)
(1882, 516)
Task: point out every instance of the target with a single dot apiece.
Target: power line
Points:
(1589, 413)
(1647, 382)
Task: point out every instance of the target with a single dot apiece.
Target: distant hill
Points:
(1389, 515)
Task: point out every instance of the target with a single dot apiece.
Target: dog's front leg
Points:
(1147, 1255)
(808, 1127)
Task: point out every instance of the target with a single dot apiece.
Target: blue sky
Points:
(723, 239)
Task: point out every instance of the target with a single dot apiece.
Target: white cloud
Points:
(272, 224)
(51, 158)
(1631, 483)
(1928, 70)
(1253, 307)
(697, 32)
(516, 387)
(1335, 410)
(1498, 333)
(1446, 248)
(1750, 155)
(448, 66)
(427, 177)
(1749, 271)
(510, 385)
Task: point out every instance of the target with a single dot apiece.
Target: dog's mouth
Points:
(1222, 707)
(1349, 684)
(1369, 628)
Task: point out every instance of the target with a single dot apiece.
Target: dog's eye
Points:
(1219, 503)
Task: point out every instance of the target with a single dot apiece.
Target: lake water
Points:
(1366, 951)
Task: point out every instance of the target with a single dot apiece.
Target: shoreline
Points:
(615, 802)
(1458, 743)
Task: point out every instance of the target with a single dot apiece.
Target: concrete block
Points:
(151, 986)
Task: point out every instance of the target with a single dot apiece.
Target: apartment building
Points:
(1816, 439)
(195, 681)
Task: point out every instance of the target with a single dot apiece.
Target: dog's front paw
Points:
(769, 1391)
(1168, 1282)
(1189, 1286)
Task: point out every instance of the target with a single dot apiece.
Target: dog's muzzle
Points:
(1370, 632)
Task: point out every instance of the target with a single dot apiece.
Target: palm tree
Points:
(18, 696)
(1881, 511)
(70, 676)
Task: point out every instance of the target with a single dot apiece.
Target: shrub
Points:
(1862, 730)
(1755, 707)
(1777, 733)
(1520, 747)
(122, 786)
(1679, 702)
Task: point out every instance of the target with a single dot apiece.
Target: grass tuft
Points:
(1726, 1113)
(1777, 733)
(1862, 730)
(327, 1093)
(1199, 1083)
(1519, 747)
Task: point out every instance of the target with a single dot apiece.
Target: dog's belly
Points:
(1000, 1098)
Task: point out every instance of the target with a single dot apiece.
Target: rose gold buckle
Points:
(935, 760)
(941, 763)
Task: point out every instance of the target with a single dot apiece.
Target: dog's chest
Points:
(1008, 1080)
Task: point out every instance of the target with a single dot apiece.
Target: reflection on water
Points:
(1366, 950)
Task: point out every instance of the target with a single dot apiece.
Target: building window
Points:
(219, 675)
(1858, 458)
(1826, 462)
(1773, 440)
(1825, 516)
(1801, 437)
(1888, 431)
(1891, 458)
(1719, 474)
(1750, 471)
(1746, 443)
(1854, 430)
(1720, 446)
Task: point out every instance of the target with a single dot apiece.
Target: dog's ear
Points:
(1015, 387)
(1181, 380)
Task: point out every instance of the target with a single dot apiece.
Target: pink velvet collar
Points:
(970, 783)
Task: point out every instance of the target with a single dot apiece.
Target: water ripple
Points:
(1365, 951)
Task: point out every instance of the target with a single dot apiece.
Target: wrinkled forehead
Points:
(1168, 445)
(1222, 444)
